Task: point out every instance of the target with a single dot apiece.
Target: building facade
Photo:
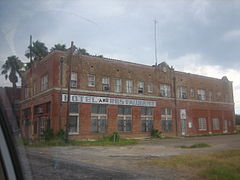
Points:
(109, 95)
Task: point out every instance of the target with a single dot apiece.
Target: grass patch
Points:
(200, 145)
(224, 165)
(99, 142)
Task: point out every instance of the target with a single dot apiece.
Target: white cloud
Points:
(231, 35)
(192, 63)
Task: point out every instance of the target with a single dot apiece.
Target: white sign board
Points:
(183, 114)
(108, 100)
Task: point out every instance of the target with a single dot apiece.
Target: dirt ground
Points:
(127, 158)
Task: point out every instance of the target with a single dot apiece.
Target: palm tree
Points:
(11, 68)
(39, 50)
(61, 47)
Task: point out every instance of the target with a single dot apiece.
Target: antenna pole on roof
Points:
(155, 40)
(30, 50)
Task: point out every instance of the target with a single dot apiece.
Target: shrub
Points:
(115, 137)
(61, 134)
(48, 134)
(155, 133)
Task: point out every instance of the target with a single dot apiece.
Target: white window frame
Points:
(105, 83)
(99, 116)
(91, 80)
(216, 123)
(202, 124)
(210, 95)
(192, 92)
(150, 88)
(166, 116)
(118, 85)
(201, 94)
(125, 118)
(147, 118)
(182, 92)
(76, 114)
(129, 86)
(140, 87)
(165, 90)
(44, 82)
(73, 82)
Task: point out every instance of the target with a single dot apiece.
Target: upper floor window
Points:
(210, 96)
(26, 92)
(129, 86)
(192, 93)
(201, 94)
(150, 88)
(141, 87)
(181, 92)
(165, 90)
(118, 85)
(44, 82)
(91, 80)
(105, 84)
(73, 83)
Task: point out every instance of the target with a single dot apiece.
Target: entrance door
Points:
(225, 129)
(183, 127)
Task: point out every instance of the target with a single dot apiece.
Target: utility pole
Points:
(68, 92)
(155, 40)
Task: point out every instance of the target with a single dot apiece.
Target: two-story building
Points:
(108, 95)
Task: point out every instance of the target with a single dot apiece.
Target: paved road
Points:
(74, 162)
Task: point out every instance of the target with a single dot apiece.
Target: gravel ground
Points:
(121, 162)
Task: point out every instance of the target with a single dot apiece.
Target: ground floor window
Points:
(216, 124)
(124, 118)
(99, 118)
(202, 123)
(73, 124)
(166, 118)
(146, 119)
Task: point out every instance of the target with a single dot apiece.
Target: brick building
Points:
(111, 95)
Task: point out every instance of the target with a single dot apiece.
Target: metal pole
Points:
(60, 95)
(68, 92)
(155, 40)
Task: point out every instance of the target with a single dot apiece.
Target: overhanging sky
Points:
(201, 37)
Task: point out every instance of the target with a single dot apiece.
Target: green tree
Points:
(11, 68)
(237, 119)
(39, 50)
(83, 51)
(61, 47)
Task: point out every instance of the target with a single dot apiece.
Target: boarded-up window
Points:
(216, 124)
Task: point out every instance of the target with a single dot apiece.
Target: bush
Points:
(48, 134)
(61, 134)
(155, 133)
(115, 137)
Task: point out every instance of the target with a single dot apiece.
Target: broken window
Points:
(140, 87)
(99, 118)
(165, 90)
(202, 123)
(181, 92)
(166, 118)
(105, 84)
(129, 86)
(91, 80)
(73, 83)
(124, 118)
(146, 119)
(216, 124)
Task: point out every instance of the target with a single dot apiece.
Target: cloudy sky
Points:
(200, 36)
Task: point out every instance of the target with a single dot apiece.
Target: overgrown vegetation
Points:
(224, 165)
(58, 140)
(155, 133)
(200, 145)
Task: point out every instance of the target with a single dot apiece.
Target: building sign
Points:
(108, 100)
(183, 114)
